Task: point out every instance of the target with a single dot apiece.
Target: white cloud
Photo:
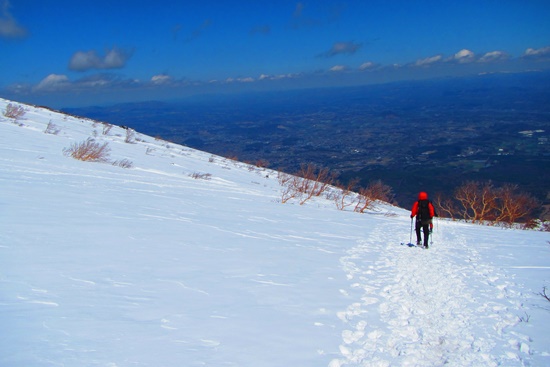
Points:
(246, 80)
(9, 28)
(463, 56)
(367, 66)
(541, 53)
(161, 79)
(494, 56)
(113, 59)
(338, 68)
(429, 60)
(53, 82)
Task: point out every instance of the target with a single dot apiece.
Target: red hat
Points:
(423, 196)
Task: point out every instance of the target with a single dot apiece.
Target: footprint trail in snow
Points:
(415, 307)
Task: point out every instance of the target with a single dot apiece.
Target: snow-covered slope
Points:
(148, 266)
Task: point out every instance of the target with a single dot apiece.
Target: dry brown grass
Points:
(89, 151)
(14, 111)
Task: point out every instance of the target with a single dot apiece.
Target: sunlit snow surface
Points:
(148, 266)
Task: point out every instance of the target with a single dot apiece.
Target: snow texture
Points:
(148, 266)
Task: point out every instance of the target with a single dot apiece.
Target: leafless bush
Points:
(262, 163)
(482, 202)
(345, 196)
(202, 176)
(14, 111)
(124, 163)
(314, 181)
(446, 207)
(478, 200)
(288, 185)
(544, 295)
(107, 129)
(52, 129)
(89, 151)
(514, 206)
(308, 182)
(130, 136)
(525, 318)
(376, 190)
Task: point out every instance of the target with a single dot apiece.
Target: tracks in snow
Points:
(413, 307)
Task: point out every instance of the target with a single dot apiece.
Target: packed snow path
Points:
(424, 308)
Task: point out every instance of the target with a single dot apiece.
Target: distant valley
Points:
(418, 135)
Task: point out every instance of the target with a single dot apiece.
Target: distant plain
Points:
(417, 135)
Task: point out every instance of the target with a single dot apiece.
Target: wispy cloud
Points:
(161, 79)
(494, 56)
(61, 83)
(342, 48)
(337, 68)
(9, 27)
(199, 30)
(369, 65)
(429, 60)
(537, 54)
(89, 60)
(53, 82)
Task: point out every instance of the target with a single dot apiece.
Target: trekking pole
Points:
(411, 235)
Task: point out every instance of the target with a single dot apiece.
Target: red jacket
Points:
(414, 210)
(422, 196)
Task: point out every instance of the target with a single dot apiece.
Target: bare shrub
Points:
(513, 206)
(308, 182)
(201, 176)
(376, 190)
(364, 201)
(313, 181)
(345, 196)
(544, 295)
(446, 206)
(14, 111)
(124, 163)
(107, 129)
(288, 184)
(52, 129)
(262, 163)
(478, 200)
(482, 202)
(89, 151)
(130, 136)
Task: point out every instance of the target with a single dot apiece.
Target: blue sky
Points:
(65, 53)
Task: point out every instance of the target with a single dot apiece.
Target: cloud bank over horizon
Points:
(284, 45)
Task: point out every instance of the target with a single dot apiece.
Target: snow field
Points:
(105, 266)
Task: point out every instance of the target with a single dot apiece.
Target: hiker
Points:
(424, 212)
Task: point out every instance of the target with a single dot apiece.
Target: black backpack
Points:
(423, 214)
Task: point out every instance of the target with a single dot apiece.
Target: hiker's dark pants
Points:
(425, 228)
